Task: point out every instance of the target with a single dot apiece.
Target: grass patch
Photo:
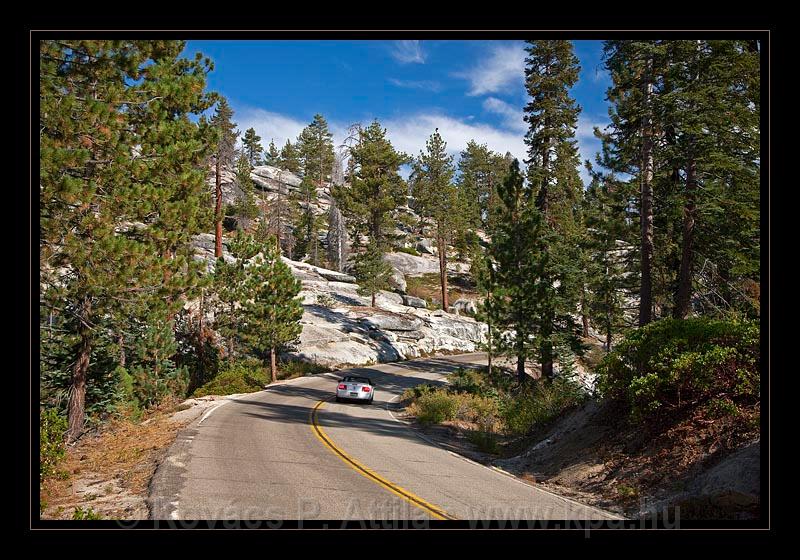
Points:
(408, 251)
(491, 405)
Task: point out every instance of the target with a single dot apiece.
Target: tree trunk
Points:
(373, 299)
(684, 294)
(489, 297)
(218, 212)
(521, 375)
(440, 242)
(121, 344)
(584, 315)
(273, 366)
(547, 359)
(646, 202)
(77, 396)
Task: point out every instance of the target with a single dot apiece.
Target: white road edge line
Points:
(208, 412)
(494, 469)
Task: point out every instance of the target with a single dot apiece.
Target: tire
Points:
(338, 399)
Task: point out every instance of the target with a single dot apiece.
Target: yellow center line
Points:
(434, 511)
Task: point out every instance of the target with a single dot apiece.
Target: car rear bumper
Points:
(359, 396)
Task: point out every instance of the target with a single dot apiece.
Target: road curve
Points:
(289, 452)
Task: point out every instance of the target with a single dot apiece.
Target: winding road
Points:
(291, 452)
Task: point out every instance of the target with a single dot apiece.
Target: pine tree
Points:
(247, 206)
(480, 173)
(607, 266)
(307, 226)
(122, 190)
(371, 271)
(437, 198)
(517, 261)
(685, 127)
(376, 187)
(272, 316)
(251, 147)
(290, 158)
(234, 283)
(223, 159)
(315, 148)
(551, 70)
(273, 155)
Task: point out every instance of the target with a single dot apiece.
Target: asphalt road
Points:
(290, 453)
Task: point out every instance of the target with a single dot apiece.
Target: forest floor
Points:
(106, 473)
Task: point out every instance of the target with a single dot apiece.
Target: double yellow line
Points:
(434, 511)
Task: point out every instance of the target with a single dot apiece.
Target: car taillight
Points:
(365, 389)
(343, 386)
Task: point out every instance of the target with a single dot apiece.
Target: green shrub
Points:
(417, 391)
(484, 441)
(52, 449)
(479, 409)
(244, 376)
(467, 381)
(408, 250)
(538, 404)
(722, 407)
(436, 406)
(85, 514)
(298, 368)
(673, 361)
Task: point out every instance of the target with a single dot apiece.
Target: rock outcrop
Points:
(340, 328)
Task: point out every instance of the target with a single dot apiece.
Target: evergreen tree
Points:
(607, 266)
(290, 158)
(371, 271)
(515, 272)
(223, 159)
(273, 155)
(551, 70)
(376, 187)
(247, 206)
(122, 190)
(272, 315)
(437, 198)
(480, 173)
(251, 147)
(635, 67)
(307, 226)
(685, 127)
(315, 148)
(234, 283)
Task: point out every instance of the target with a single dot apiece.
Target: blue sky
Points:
(468, 89)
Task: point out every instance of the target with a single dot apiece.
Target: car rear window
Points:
(358, 379)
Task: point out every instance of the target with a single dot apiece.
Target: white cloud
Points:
(407, 52)
(512, 116)
(409, 133)
(503, 66)
(429, 85)
(278, 127)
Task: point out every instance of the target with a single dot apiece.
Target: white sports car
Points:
(355, 388)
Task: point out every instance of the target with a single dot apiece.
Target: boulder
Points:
(411, 265)
(425, 246)
(734, 482)
(393, 322)
(412, 301)
(397, 281)
(466, 306)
